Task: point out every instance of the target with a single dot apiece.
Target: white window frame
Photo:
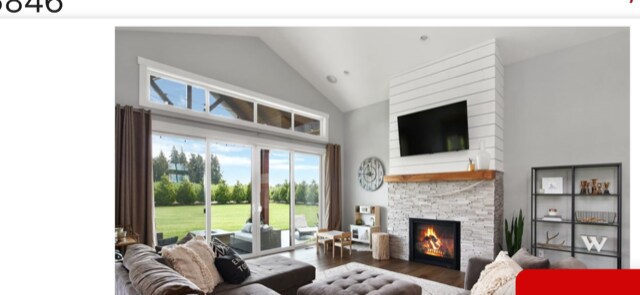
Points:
(148, 67)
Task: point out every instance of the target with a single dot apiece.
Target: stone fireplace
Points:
(435, 242)
(476, 204)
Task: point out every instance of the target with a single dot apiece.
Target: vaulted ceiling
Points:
(362, 59)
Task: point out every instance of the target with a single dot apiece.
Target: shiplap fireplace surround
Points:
(433, 186)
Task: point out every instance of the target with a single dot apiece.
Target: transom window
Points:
(187, 94)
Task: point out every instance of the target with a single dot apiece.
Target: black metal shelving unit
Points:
(572, 192)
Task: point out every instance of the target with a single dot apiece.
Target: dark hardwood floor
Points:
(324, 261)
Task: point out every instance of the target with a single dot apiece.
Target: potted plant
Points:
(514, 234)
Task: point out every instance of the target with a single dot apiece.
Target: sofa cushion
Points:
(199, 245)
(137, 252)
(252, 289)
(569, 263)
(232, 268)
(148, 276)
(498, 273)
(282, 274)
(528, 261)
(189, 264)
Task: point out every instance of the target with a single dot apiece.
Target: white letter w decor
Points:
(593, 241)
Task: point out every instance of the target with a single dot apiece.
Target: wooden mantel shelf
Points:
(445, 176)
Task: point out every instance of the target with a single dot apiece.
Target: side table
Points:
(380, 246)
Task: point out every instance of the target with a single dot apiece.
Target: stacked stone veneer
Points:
(479, 210)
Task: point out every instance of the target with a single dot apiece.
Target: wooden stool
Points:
(380, 245)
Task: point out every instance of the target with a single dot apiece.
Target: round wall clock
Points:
(370, 174)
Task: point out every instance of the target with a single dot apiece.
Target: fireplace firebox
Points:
(435, 242)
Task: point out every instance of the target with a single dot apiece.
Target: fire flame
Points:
(431, 243)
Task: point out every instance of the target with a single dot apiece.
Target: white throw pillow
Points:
(189, 264)
(502, 271)
(200, 246)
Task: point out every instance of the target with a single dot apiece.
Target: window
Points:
(186, 94)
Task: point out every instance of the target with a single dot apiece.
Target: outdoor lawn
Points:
(179, 220)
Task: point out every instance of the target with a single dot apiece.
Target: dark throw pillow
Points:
(232, 268)
(528, 261)
(220, 248)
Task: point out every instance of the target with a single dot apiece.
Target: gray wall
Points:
(242, 61)
(567, 107)
(368, 136)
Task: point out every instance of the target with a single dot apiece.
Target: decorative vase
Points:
(482, 158)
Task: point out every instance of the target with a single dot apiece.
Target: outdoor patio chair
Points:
(302, 227)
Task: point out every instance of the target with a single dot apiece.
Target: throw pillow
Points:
(189, 264)
(148, 276)
(528, 261)
(496, 274)
(199, 245)
(247, 228)
(567, 263)
(220, 248)
(232, 268)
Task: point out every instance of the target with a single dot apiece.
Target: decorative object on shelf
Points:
(371, 174)
(594, 190)
(552, 185)
(514, 234)
(471, 167)
(599, 190)
(606, 188)
(552, 215)
(553, 211)
(592, 241)
(606, 217)
(584, 187)
(359, 221)
(549, 244)
(482, 158)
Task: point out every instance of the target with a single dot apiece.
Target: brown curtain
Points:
(333, 187)
(134, 183)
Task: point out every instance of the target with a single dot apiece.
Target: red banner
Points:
(577, 281)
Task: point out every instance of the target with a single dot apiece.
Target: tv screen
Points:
(441, 129)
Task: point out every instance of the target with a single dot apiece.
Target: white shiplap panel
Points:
(441, 98)
(468, 75)
(445, 63)
(447, 74)
(440, 158)
(468, 78)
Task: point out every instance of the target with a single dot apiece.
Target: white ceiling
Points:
(372, 55)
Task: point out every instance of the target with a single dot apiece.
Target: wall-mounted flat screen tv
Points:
(441, 129)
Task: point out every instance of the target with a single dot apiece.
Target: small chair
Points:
(342, 241)
(324, 241)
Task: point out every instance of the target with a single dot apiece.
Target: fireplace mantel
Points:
(445, 176)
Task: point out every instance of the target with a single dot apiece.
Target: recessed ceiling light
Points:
(424, 38)
(332, 79)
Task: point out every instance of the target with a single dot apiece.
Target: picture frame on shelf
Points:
(552, 185)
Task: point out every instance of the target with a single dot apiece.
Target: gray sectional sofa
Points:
(143, 271)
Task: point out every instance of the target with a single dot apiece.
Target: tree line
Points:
(187, 192)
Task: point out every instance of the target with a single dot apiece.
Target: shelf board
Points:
(552, 195)
(594, 223)
(593, 251)
(445, 176)
(609, 195)
(567, 221)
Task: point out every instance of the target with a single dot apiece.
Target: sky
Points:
(235, 160)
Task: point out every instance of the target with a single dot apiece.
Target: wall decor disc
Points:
(371, 174)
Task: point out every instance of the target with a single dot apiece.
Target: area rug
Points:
(428, 287)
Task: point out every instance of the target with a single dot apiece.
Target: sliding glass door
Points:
(252, 197)
(178, 186)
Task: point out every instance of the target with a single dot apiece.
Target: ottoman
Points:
(361, 281)
(251, 289)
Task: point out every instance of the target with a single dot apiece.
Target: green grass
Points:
(179, 220)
